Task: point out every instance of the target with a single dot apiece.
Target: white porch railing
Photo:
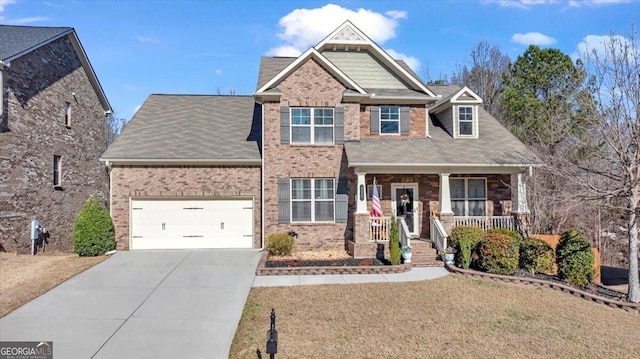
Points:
(379, 229)
(405, 235)
(438, 234)
(485, 222)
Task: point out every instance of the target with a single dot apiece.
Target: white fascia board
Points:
(169, 162)
(93, 78)
(468, 91)
(311, 53)
(412, 168)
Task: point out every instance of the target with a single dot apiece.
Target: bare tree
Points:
(113, 127)
(610, 155)
(483, 73)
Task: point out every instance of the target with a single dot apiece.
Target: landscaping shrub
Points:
(498, 254)
(93, 232)
(394, 243)
(464, 240)
(536, 256)
(509, 232)
(280, 244)
(575, 259)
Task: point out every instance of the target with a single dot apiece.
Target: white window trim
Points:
(312, 126)
(474, 121)
(466, 195)
(312, 199)
(370, 191)
(380, 122)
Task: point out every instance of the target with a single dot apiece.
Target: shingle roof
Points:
(15, 40)
(191, 127)
(495, 146)
(270, 67)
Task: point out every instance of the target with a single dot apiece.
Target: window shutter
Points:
(284, 125)
(375, 120)
(342, 200)
(404, 121)
(283, 200)
(338, 123)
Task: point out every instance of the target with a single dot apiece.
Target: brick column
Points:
(447, 222)
(361, 227)
(520, 210)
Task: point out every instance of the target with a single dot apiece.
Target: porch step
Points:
(424, 254)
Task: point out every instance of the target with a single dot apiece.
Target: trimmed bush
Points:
(394, 243)
(509, 232)
(280, 244)
(536, 256)
(93, 232)
(498, 254)
(464, 240)
(575, 259)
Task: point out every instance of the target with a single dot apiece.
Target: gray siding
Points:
(364, 69)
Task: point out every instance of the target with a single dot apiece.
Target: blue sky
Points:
(143, 47)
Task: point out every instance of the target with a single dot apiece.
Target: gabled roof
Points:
(340, 54)
(16, 41)
(499, 149)
(326, 64)
(204, 129)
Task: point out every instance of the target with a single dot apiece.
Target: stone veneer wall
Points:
(39, 83)
(175, 182)
(309, 86)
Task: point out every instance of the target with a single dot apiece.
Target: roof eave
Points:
(160, 161)
(467, 168)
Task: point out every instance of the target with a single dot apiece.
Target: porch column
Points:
(446, 214)
(520, 209)
(519, 193)
(361, 194)
(445, 194)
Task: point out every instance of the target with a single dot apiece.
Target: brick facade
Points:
(39, 83)
(417, 123)
(181, 182)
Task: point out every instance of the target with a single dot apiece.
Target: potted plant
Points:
(406, 254)
(448, 254)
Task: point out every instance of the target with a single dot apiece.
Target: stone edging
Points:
(262, 270)
(629, 307)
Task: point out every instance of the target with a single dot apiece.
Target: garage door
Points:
(178, 224)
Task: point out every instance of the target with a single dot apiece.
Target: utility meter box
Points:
(35, 229)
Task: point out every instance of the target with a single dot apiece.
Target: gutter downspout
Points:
(2, 66)
(108, 164)
(262, 178)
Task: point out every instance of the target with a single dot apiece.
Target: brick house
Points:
(322, 127)
(52, 133)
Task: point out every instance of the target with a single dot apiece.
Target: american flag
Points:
(376, 209)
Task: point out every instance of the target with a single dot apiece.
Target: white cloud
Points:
(29, 20)
(533, 38)
(303, 28)
(4, 3)
(410, 60)
(599, 44)
(218, 72)
(147, 40)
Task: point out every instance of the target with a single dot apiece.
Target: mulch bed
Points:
(325, 263)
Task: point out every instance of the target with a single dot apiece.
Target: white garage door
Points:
(178, 224)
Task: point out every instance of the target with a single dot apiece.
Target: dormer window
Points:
(466, 121)
(389, 120)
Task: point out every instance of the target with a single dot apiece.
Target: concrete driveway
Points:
(142, 304)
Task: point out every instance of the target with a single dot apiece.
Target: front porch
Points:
(429, 206)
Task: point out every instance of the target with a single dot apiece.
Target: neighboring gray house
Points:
(321, 127)
(52, 133)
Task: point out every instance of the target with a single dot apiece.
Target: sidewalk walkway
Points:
(415, 274)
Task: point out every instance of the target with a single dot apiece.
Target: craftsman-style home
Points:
(302, 155)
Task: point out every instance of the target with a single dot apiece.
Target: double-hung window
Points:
(312, 200)
(465, 120)
(67, 114)
(468, 196)
(312, 125)
(389, 120)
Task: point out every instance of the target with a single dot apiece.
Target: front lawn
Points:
(450, 317)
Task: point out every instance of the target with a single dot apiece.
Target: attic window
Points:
(465, 121)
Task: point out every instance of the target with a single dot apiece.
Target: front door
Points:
(404, 198)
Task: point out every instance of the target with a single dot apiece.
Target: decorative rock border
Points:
(629, 307)
(263, 270)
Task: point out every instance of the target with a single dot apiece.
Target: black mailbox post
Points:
(272, 336)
